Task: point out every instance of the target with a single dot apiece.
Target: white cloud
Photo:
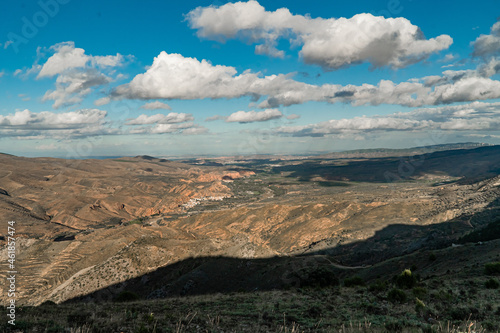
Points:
(195, 130)
(170, 118)
(185, 128)
(270, 50)
(107, 61)
(254, 116)
(487, 45)
(476, 116)
(2, 73)
(66, 57)
(24, 97)
(102, 101)
(293, 116)
(67, 125)
(173, 76)
(77, 73)
(156, 105)
(173, 122)
(73, 85)
(449, 57)
(216, 117)
(331, 43)
(51, 120)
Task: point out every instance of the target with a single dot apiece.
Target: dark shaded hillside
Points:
(469, 164)
(209, 275)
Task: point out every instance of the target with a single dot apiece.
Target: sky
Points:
(203, 78)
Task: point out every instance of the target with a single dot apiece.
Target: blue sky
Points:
(108, 78)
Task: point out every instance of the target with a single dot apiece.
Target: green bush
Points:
(492, 284)
(420, 292)
(460, 313)
(397, 296)
(432, 256)
(492, 268)
(354, 281)
(406, 279)
(419, 305)
(378, 286)
(394, 326)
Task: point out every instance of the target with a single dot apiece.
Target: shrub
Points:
(419, 305)
(460, 313)
(354, 281)
(320, 277)
(432, 256)
(420, 292)
(394, 326)
(126, 296)
(397, 296)
(378, 286)
(406, 279)
(492, 268)
(492, 284)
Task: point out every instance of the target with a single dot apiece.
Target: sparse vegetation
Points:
(490, 232)
(354, 281)
(406, 279)
(397, 296)
(322, 310)
(492, 284)
(492, 268)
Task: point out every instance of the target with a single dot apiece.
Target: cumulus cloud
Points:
(170, 118)
(476, 116)
(184, 128)
(77, 73)
(173, 76)
(216, 117)
(66, 125)
(487, 45)
(24, 97)
(328, 42)
(254, 116)
(66, 57)
(156, 105)
(102, 101)
(73, 86)
(48, 119)
(196, 130)
(173, 122)
(292, 116)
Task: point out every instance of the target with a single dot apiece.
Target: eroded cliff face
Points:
(94, 224)
(85, 193)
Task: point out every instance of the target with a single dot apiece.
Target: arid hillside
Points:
(86, 225)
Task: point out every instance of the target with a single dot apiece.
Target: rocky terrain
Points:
(91, 229)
